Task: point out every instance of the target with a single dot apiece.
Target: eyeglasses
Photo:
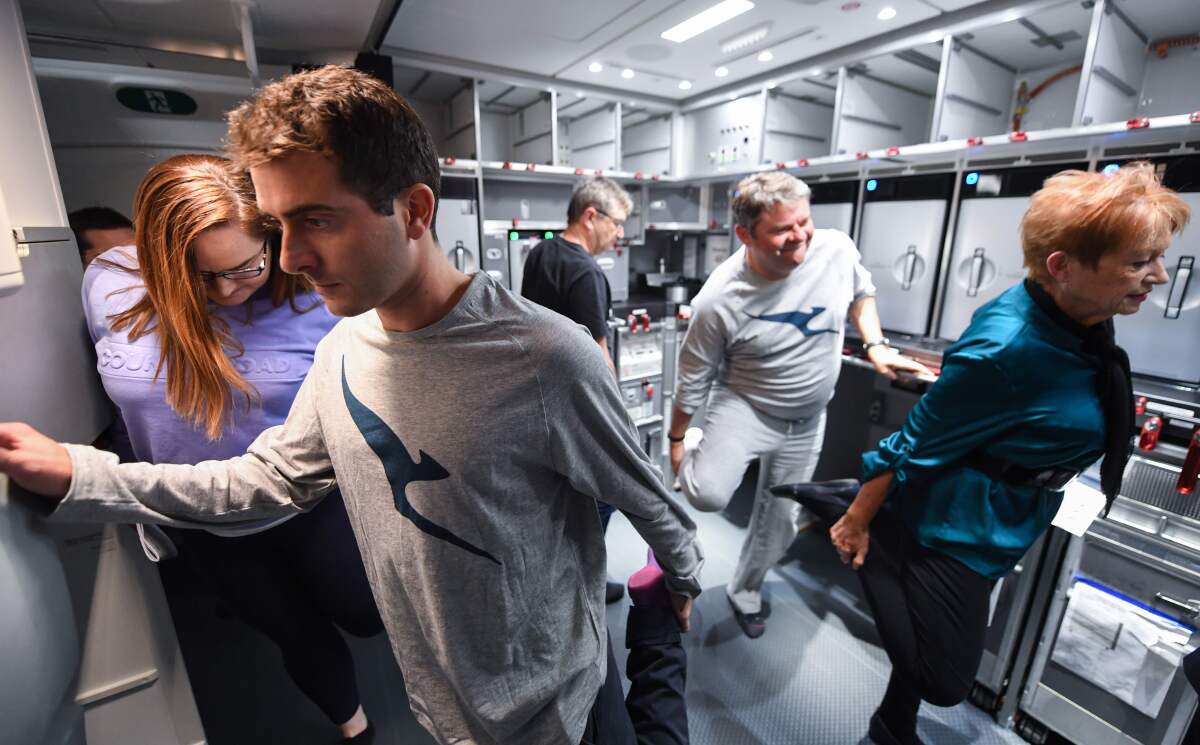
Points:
(615, 221)
(241, 274)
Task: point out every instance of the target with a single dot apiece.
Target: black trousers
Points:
(293, 583)
(931, 612)
(655, 711)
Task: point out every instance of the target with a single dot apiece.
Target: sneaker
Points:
(753, 625)
(828, 500)
(613, 591)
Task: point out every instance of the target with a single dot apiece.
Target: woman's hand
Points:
(850, 537)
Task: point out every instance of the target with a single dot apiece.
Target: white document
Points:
(1080, 506)
(1121, 647)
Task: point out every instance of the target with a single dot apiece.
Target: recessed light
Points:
(886, 14)
(627, 73)
(685, 85)
(745, 39)
(578, 94)
(771, 84)
(706, 19)
(595, 67)
(721, 71)
(766, 56)
(815, 71)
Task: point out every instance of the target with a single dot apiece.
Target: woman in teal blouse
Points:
(1035, 391)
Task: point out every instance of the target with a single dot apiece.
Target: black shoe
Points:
(753, 625)
(881, 735)
(828, 500)
(613, 591)
(366, 737)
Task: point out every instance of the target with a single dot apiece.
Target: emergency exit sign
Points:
(156, 101)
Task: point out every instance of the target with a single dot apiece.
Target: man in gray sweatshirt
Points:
(763, 352)
(469, 431)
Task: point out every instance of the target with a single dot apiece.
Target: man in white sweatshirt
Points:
(763, 351)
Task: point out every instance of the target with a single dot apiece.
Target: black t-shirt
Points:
(565, 278)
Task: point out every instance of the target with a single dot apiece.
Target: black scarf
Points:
(1114, 386)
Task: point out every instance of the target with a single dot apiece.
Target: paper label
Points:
(1080, 506)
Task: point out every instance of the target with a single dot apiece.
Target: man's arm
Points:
(603, 342)
(699, 360)
(285, 470)
(887, 361)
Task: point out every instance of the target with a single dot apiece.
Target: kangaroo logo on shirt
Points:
(400, 468)
(797, 318)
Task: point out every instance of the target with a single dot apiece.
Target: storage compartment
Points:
(457, 223)
(723, 137)
(833, 204)
(903, 222)
(676, 206)
(799, 120)
(986, 257)
(646, 140)
(1154, 335)
(517, 124)
(587, 132)
(1021, 75)
(888, 100)
(446, 103)
(1146, 60)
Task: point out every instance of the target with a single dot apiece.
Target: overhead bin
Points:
(1162, 338)
(986, 257)
(647, 141)
(903, 222)
(888, 100)
(587, 132)
(799, 121)
(1021, 75)
(1145, 63)
(516, 123)
(446, 103)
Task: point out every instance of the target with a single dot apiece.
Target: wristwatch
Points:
(883, 341)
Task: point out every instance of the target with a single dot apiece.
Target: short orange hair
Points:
(1087, 215)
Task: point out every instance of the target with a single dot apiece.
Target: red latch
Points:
(632, 321)
(861, 155)
(781, 166)
(515, 222)
(578, 171)
(974, 141)
(531, 167)
(646, 322)
(655, 177)
(599, 172)
(637, 176)
(802, 163)
(1194, 117)
(1138, 122)
(450, 160)
(893, 151)
(1151, 429)
(649, 388)
(1139, 405)
(1017, 137)
(506, 165)
(1191, 466)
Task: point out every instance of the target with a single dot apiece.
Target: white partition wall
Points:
(799, 120)
(724, 138)
(517, 123)
(587, 132)
(887, 101)
(646, 140)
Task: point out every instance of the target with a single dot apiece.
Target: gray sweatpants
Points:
(734, 434)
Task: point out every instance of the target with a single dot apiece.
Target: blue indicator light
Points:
(872, 185)
(1111, 168)
(972, 178)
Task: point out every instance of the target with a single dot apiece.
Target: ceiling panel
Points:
(1015, 43)
(1162, 20)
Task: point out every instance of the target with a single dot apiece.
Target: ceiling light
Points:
(595, 67)
(886, 14)
(771, 85)
(745, 39)
(706, 19)
(627, 74)
(721, 71)
(766, 56)
(815, 71)
(685, 85)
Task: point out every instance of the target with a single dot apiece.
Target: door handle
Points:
(1179, 288)
(1189, 608)
(459, 255)
(976, 278)
(910, 267)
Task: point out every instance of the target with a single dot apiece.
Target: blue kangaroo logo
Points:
(797, 318)
(400, 468)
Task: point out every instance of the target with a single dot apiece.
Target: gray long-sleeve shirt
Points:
(776, 343)
(469, 454)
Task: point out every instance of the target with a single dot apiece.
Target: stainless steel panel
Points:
(900, 242)
(615, 265)
(458, 233)
(1160, 338)
(518, 251)
(835, 216)
(985, 261)
(493, 258)
(673, 204)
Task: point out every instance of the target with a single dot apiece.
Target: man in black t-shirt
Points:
(562, 274)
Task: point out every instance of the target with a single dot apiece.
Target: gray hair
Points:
(762, 191)
(602, 194)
